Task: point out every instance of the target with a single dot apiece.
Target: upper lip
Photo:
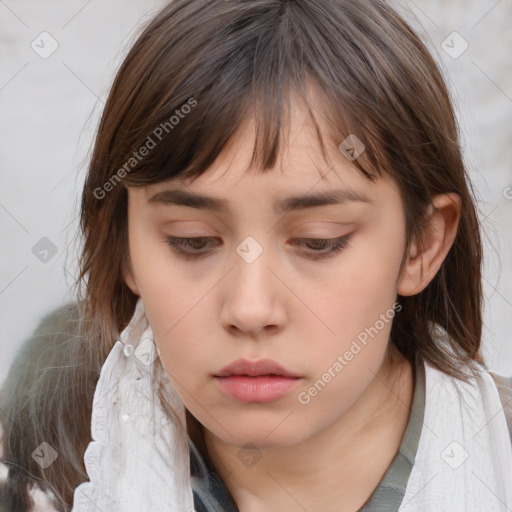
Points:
(254, 368)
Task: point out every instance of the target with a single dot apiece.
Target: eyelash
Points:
(336, 245)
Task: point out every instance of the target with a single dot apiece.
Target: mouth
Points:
(256, 381)
(260, 368)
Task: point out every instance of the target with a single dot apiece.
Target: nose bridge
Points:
(252, 301)
(252, 276)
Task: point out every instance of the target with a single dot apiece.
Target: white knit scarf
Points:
(138, 459)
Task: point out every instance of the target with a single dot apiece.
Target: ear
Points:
(425, 259)
(129, 278)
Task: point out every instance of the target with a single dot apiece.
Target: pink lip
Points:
(254, 369)
(256, 381)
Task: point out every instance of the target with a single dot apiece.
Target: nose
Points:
(254, 298)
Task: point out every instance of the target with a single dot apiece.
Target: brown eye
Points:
(194, 247)
(324, 247)
(189, 246)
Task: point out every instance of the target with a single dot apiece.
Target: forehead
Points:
(301, 164)
(303, 181)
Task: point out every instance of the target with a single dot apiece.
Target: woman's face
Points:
(256, 288)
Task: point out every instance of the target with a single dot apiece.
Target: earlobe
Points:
(129, 279)
(425, 258)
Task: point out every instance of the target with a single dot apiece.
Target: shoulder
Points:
(41, 500)
(58, 326)
(49, 346)
(60, 322)
(504, 385)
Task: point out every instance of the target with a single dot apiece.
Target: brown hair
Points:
(229, 60)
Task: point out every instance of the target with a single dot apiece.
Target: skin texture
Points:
(330, 453)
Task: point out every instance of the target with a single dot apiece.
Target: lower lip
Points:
(266, 388)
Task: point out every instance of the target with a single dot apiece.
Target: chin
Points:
(261, 435)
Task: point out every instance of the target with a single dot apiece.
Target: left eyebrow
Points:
(288, 204)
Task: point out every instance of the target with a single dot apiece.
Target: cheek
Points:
(164, 284)
(353, 295)
(174, 308)
(357, 308)
(186, 354)
(186, 351)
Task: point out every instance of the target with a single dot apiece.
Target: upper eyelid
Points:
(209, 237)
(342, 238)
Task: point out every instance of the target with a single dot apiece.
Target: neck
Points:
(337, 469)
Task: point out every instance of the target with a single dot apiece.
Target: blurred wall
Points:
(57, 61)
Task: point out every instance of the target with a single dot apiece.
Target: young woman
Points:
(282, 294)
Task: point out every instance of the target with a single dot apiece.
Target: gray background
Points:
(49, 109)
